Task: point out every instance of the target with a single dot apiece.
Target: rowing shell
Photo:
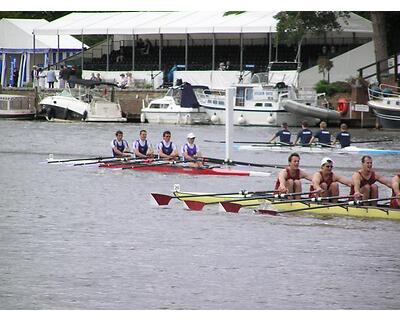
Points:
(317, 149)
(188, 170)
(345, 210)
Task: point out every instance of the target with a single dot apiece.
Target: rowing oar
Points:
(164, 199)
(252, 142)
(51, 160)
(367, 141)
(341, 204)
(241, 163)
(199, 205)
(235, 207)
(117, 160)
(156, 163)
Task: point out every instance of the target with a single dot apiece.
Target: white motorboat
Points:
(178, 106)
(16, 107)
(385, 103)
(91, 101)
(264, 101)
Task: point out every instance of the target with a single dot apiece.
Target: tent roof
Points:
(182, 22)
(17, 34)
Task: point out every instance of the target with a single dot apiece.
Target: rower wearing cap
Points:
(364, 186)
(141, 147)
(289, 179)
(323, 135)
(343, 136)
(325, 182)
(304, 135)
(120, 147)
(191, 152)
(395, 203)
(283, 134)
(166, 148)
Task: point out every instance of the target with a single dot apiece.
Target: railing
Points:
(379, 71)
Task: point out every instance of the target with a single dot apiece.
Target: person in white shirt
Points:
(166, 148)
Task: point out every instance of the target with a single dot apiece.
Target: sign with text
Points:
(361, 108)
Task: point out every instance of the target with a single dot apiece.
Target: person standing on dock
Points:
(395, 203)
(289, 179)
(141, 147)
(166, 148)
(323, 135)
(325, 182)
(364, 186)
(304, 135)
(284, 135)
(344, 137)
(120, 147)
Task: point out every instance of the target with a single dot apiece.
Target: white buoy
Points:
(241, 120)
(215, 119)
(142, 118)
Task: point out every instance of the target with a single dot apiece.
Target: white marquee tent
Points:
(195, 22)
(17, 47)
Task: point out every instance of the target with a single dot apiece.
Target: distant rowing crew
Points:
(166, 149)
(325, 181)
(306, 137)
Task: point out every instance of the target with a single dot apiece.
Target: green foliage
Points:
(330, 89)
(294, 25)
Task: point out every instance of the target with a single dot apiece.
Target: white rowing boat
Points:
(316, 149)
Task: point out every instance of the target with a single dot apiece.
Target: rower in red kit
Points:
(326, 182)
(364, 186)
(289, 179)
(395, 203)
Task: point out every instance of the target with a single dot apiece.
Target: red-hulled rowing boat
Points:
(174, 168)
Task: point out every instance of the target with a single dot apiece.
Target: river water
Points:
(90, 238)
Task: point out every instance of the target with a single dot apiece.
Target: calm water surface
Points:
(90, 238)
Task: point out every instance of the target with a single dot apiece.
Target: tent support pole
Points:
(82, 51)
(108, 52)
(241, 52)
(34, 50)
(133, 52)
(213, 52)
(160, 51)
(269, 47)
(186, 51)
(58, 51)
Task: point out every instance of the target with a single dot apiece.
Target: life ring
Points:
(342, 106)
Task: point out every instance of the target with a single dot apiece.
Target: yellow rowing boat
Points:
(381, 212)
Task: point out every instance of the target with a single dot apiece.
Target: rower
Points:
(191, 152)
(166, 148)
(141, 147)
(364, 186)
(395, 203)
(343, 136)
(289, 179)
(325, 182)
(283, 134)
(120, 147)
(304, 135)
(323, 135)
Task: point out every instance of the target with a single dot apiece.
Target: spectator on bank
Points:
(228, 65)
(147, 47)
(139, 45)
(123, 81)
(51, 77)
(62, 76)
(72, 76)
(15, 77)
(221, 67)
(98, 77)
(130, 80)
(42, 78)
(34, 76)
(93, 77)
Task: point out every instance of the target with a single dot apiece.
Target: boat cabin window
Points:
(159, 106)
(388, 101)
(397, 103)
